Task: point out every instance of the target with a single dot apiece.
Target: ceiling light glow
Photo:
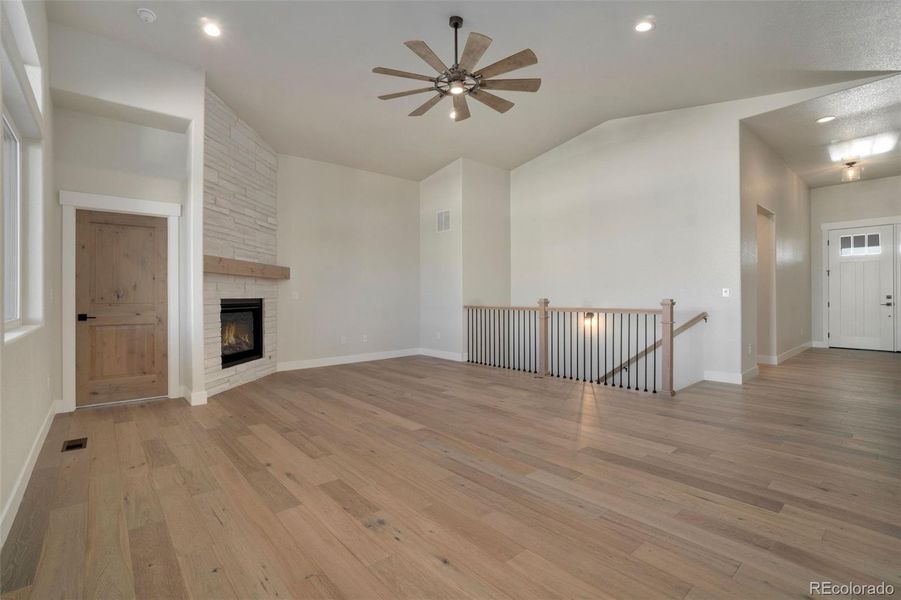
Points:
(864, 147)
(826, 119)
(851, 172)
(646, 24)
(453, 114)
(212, 29)
(456, 88)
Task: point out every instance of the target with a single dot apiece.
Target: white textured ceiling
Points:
(867, 110)
(299, 72)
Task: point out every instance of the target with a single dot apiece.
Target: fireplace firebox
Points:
(242, 330)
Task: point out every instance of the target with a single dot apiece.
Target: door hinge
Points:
(827, 272)
(829, 335)
(828, 305)
(827, 242)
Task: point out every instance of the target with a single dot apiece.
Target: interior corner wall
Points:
(351, 240)
(441, 263)
(639, 209)
(766, 181)
(864, 199)
(84, 65)
(486, 233)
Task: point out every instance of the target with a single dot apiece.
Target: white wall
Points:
(486, 233)
(116, 158)
(766, 289)
(441, 263)
(865, 199)
(87, 66)
(767, 182)
(639, 209)
(30, 387)
(351, 239)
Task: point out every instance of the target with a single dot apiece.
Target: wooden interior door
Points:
(861, 288)
(121, 306)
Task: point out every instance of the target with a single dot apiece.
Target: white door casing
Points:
(862, 303)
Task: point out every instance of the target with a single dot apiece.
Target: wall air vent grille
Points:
(443, 220)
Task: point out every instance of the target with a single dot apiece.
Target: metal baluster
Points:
(590, 350)
(655, 355)
(628, 351)
(646, 356)
(620, 349)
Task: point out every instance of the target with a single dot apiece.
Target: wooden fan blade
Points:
(495, 102)
(461, 108)
(396, 73)
(423, 51)
(407, 93)
(476, 44)
(513, 85)
(521, 59)
(425, 107)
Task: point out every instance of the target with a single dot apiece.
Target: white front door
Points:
(862, 288)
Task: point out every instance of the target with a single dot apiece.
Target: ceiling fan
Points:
(460, 80)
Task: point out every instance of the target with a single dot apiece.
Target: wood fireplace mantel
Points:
(243, 268)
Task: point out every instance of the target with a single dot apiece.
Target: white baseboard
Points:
(196, 398)
(15, 499)
(793, 352)
(763, 359)
(819, 344)
(750, 374)
(329, 361)
(724, 376)
(455, 356)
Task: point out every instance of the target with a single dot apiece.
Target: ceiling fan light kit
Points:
(460, 80)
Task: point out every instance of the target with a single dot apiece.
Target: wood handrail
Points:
(681, 328)
(648, 311)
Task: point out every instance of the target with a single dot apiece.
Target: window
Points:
(860, 244)
(12, 230)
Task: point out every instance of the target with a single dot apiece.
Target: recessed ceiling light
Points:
(646, 24)
(146, 15)
(211, 29)
(826, 119)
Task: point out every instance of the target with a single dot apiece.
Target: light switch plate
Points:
(726, 292)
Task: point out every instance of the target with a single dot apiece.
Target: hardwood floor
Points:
(420, 478)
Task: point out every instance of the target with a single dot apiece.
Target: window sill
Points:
(20, 332)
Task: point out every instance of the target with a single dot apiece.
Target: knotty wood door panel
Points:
(120, 283)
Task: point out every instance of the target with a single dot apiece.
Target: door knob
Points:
(84, 317)
(886, 304)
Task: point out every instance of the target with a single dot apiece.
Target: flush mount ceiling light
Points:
(211, 28)
(863, 147)
(146, 15)
(851, 172)
(646, 24)
(460, 80)
(826, 119)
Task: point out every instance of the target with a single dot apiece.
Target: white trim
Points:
(861, 223)
(312, 363)
(819, 344)
(454, 356)
(70, 201)
(763, 359)
(18, 491)
(726, 376)
(119, 204)
(784, 356)
(196, 398)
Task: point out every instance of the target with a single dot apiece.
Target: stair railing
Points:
(629, 348)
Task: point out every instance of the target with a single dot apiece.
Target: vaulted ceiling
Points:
(300, 72)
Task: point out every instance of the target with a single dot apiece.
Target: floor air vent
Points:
(77, 444)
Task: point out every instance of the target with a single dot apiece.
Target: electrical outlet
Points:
(365, 338)
(726, 292)
(749, 349)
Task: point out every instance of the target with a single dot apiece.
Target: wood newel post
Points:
(542, 336)
(667, 345)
